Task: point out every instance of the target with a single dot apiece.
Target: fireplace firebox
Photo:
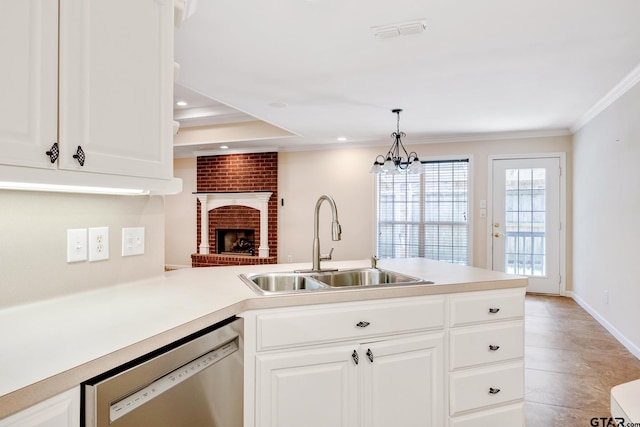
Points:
(235, 241)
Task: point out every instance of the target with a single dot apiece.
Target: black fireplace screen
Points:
(235, 241)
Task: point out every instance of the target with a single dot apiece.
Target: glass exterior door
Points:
(525, 228)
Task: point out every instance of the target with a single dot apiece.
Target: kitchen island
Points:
(52, 346)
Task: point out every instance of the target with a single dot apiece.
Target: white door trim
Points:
(563, 208)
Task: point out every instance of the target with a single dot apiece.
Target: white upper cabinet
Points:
(29, 83)
(116, 77)
(95, 77)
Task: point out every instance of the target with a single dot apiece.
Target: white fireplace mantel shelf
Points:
(253, 199)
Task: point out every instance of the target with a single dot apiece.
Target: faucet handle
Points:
(327, 257)
(374, 261)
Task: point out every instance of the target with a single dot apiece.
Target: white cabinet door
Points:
(403, 382)
(310, 388)
(116, 79)
(29, 84)
(62, 410)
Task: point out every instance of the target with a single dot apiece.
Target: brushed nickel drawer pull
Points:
(493, 347)
(362, 324)
(494, 310)
(494, 390)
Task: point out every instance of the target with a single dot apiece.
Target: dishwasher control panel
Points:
(124, 406)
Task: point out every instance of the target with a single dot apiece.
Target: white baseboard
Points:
(634, 349)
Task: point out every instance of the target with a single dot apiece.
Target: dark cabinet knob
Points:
(494, 390)
(53, 152)
(493, 347)
(494, 310)
(362, 324)
(355, 357)
(80, 156)
(370, 355)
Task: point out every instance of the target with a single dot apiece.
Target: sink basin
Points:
(282, 282)
(366, 277)
(270, 283)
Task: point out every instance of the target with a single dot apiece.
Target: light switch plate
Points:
(132, 241)
(76, 244)
(98, 244)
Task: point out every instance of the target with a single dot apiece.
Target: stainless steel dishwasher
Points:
(195, 382)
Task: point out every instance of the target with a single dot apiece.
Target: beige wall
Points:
(180, 217)
(343, 174)
(33, 238)
(606, 234)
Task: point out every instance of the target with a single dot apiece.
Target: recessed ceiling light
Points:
(181, 103)
(341, 138)
(224, 147)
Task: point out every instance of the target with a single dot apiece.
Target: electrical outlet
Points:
(98, 244)
(132, 241)
(76, 244)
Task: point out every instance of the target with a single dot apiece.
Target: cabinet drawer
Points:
(478, 345)
(336, 322)
(480, 387)
(506, 416)
(486, 306)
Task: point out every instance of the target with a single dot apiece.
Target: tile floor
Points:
(571, 363)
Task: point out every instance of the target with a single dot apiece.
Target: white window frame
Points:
(470, 195)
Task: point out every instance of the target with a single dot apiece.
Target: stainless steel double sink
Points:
(288, 282)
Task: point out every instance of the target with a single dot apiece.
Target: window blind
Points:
(425, 215)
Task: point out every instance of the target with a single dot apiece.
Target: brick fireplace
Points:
(231, 178)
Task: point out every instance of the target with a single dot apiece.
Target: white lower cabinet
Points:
(504, 416)
(384, 368)
(430, 361)
(393, 381)
(486, 359)
(313, 387)
(62, 410)
(402, 382)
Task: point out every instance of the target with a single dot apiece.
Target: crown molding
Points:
(487, 136)
(618, 90)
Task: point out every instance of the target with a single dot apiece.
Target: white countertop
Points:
(50, 346)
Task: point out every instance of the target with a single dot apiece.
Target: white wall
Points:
(33, 236)
(180, 215)
(606, 223)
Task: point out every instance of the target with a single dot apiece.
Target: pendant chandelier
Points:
(397, 160)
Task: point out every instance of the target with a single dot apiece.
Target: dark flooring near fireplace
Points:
(571, 363)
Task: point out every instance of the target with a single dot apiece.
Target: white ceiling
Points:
(482, 67)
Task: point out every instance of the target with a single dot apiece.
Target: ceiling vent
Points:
(402, 29)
